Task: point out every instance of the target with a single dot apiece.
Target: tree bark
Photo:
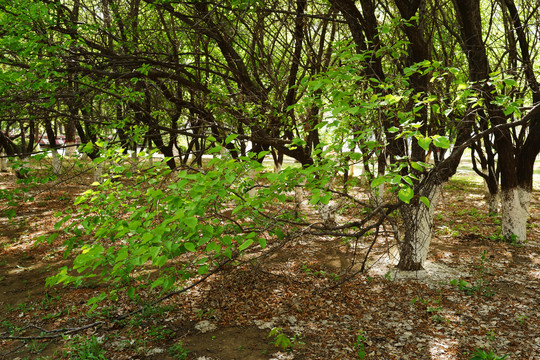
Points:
(515, 204)
(418, 222)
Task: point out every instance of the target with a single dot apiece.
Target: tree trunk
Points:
(98, 172)
(418, 223)
(515, 212)
(57, 162)
(3, 161)
(493, 203)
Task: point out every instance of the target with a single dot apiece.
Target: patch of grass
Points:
(80, 348)
(178, 351)
(480, 354)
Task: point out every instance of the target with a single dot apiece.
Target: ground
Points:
(476, 292)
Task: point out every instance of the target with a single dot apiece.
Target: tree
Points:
(516, 152)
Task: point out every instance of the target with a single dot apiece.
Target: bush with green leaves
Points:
(180, 224)
(281, 340)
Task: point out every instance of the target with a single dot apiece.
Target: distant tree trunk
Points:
(488, 172)
(3, 161)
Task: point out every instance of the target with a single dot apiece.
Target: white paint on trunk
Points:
(493, 202)
(70, 149)
(299, 197)
(418, 222)
(3, 162)
(328, 213)
(377, 194)
(253, 191)
(98, 172)
(134, 160)
(515, 212)
(57, 163)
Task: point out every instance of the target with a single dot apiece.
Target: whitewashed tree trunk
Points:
(98, 172)
(57, 162)
(328, 213)
(418, 223)
(3, 162)
(380, 194)
(253, 191)
(69, 151)
(134, 161)
(493, 202)
(515, 212)
(377, 194)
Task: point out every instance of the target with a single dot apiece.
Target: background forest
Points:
(169, 160)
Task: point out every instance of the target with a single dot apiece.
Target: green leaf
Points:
(425, 200)
(230, 138)
(191, 222)
(396, 180)
(154, 251)
(441, 141)
(325, 199)
(160, 261)
(122, 254)
(190, 246)
(510, 82)
(213, 246)
(147, 237)
(416, 166)
(245, 245)
(157, 282)
(424, 143)
(378, 181)
(131, 292)
(134, 225)
(202, 269)
(406, 194)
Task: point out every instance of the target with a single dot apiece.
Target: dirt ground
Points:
(476, 292)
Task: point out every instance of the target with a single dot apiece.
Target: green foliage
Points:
(83, 348)
(183, 224)
(360, 345)
(178, 351)
(480, 354)
(281, 340)
(480, 285)
(320, 273)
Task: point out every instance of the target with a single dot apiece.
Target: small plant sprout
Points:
(281, 340)
(521, 318)
(178, 351)
(480, 354)
(360, 345)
